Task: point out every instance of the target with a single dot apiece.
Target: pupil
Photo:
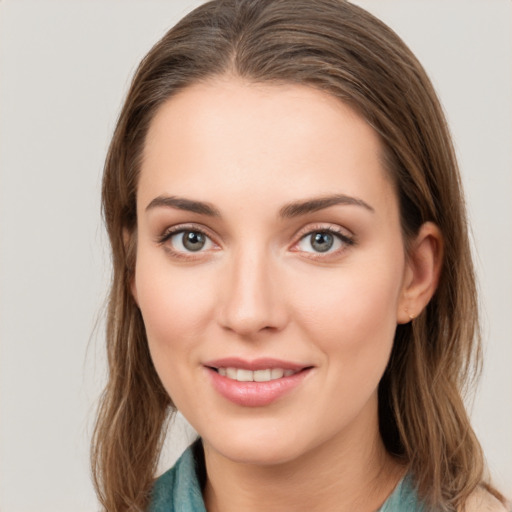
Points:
(193, 241)
(322, 242)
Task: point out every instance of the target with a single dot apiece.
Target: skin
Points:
(258, 288)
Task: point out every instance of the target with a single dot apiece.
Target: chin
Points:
(258, 445)
(264, 454)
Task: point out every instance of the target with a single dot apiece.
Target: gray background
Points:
(64, 69)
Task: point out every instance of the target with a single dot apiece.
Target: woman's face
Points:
(270, 266)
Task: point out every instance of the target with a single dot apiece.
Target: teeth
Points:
(232, 373)
(262, 375)
(242, 375)
(276, 373)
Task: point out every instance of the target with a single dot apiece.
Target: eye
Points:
(323, 241)
(189, 241)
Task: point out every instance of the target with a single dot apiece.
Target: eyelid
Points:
(325, 226)
(347, 238)
(178, 228)
(170, 231)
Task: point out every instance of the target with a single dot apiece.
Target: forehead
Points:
(272, 140)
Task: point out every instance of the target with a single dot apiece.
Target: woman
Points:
(291, 271)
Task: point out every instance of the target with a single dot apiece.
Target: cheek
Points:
(176, 309)
(352, 311)
(175, 305)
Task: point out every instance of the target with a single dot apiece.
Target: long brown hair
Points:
(341, 49)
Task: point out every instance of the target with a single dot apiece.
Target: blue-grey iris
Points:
(193, 240)
(322, 242)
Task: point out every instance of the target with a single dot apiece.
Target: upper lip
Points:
(255, 364)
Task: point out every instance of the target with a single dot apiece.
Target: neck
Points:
(351, 472)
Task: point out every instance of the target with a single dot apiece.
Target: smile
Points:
(264, 375)
(256, 383)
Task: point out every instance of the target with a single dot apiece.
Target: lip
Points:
(261, 363)
(255, 394)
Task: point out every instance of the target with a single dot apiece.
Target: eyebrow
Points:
(181, 203)
(315, 204)
(290, 210)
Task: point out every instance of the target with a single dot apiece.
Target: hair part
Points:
(343, 50)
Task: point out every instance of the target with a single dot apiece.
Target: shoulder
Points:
(482, 500)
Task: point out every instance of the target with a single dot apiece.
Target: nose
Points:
(252, 300)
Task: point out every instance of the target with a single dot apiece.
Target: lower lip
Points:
(255, 394)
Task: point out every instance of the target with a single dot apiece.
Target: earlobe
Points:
(422, 272)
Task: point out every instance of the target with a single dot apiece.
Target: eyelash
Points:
(346, 240)
(175, 230)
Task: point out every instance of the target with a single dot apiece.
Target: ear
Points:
(421, 274)
(129, 246)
